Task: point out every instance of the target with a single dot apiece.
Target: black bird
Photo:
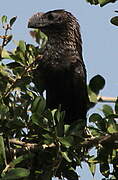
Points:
(62, 71)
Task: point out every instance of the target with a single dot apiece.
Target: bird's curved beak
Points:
(36, 21)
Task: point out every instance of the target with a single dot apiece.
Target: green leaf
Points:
(12, 20)
(65, 156)
(66, 141)
(6, 54)
(2, 154)
(92, 96)
(92, 168)
(114, 20)
(97, 83)
(39, 105)
(116, 106)
(16, 173)
(59, 119)
(104, 2)
(112, 128)
(98, 120)
(4, 19)
(107, 110)
(22, 46)
(95, 118)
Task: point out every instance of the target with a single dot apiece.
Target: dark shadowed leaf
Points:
(71, 175)
(2, 154)
(95, 117)
(99, 121)
(104, 169)
(97, 83)
(59, 119)
(16, 173)
(114, 20)
(12, 20)
(116, 107)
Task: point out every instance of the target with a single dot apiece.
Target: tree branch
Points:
(107, 99)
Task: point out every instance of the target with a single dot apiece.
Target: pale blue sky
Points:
(100, 42)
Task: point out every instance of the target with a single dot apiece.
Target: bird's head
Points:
(50, 22)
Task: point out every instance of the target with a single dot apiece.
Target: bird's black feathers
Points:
(62, 71)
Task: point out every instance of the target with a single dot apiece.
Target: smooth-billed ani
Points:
(62, 71)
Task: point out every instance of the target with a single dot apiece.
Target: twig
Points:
(88, 143)
(107, 139)
(106, 99)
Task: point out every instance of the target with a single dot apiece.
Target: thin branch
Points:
(103, 140)
(106, 99)
(88, 143)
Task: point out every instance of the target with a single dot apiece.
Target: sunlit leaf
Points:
(4, 19)
(104, 2)
(107, 110)
(22, 46)
(92, 168)
(65, 156)
(6, 54)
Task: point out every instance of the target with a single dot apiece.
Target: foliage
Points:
(34, 141)
(102, 3)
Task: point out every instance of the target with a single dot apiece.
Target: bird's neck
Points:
(61, 44)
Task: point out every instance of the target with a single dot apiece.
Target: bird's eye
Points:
(50, 17)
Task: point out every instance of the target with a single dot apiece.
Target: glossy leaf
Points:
(65, 156)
